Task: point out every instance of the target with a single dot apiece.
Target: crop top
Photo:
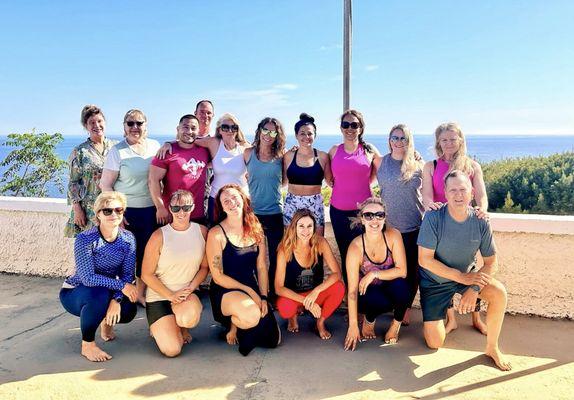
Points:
(308, 176)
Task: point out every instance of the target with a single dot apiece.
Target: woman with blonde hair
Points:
(399, 174)
(450, 147)
(300, 281)
(376, 268)
(100, 291)
(174, 266)
(237, 261)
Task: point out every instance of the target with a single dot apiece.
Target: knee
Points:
(172, 349)
(287, 308)
(433, 342)
(250, 318)
(190, 319)
(496, 292)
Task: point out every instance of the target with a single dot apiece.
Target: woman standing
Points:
(305, 169)
(239, 287)
(300, 281)
(126, 171)
(399, 174)
(450, 147)
(351, 163)
(100, 291)
(265, 177)
(86, 162)
(174, 265)
(376, 270)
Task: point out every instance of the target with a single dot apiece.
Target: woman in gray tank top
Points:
(265, 177)
(399, 174)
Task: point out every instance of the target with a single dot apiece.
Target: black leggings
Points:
(385, 297)
(344, 234)
(412, 253)
(273, 229)
(91, 305)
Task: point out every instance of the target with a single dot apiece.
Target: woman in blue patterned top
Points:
(100, 291)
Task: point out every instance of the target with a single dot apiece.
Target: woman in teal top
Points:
(126, 171)
(265, 177)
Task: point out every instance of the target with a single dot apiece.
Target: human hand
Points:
(467, 301)
(366, 281)
(131, 292)
(162, 216)
(435, 205)
(353, 336)
(264, 308)
(113, 313)
(475, 278)
(315, 310)
(79, 215)
(310, 299)
(180, 295)
(164, 150)
(482, 213)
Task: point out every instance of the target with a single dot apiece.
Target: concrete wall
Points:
(536, 252)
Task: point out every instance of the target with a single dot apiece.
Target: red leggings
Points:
(328, 300)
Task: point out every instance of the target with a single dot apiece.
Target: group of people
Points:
(166, 216)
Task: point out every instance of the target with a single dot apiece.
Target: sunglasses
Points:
(185, 208)
(229, 128)
(369, 216)
(108, 211)
(132, 123)
(269, 132)
(352, 125)
(396, 139)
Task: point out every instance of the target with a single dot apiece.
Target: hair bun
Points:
(306, 118)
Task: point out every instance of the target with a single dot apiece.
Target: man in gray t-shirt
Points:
(448, 241)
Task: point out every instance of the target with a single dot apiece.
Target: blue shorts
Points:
(436, 297)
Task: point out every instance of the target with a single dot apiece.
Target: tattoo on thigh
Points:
(217, 263)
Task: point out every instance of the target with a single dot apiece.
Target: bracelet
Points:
(263, 297)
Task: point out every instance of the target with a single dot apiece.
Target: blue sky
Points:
(496, 67)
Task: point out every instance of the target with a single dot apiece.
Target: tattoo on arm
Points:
(217, 263)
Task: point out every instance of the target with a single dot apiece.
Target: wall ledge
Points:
(34, 204)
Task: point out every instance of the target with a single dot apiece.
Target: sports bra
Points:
(308, 176)
(369, 265)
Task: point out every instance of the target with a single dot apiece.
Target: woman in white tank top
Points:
(174, 265)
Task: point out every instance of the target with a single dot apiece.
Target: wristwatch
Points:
(119, 299)
(476, 288)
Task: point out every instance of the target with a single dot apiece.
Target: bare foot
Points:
(451, 323)
(107, 332)
(407, 317)
(293, 325)
(392, 335)
(477, 322)
(94, 353)
(186, 335)
(499, 359)
(322, 331)
(368, 329)
(231, 336)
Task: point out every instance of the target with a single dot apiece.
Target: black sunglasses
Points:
(352, 125)
(132, 123)
(369, 216)
(185, 208)
(228, 128)
(108, 211)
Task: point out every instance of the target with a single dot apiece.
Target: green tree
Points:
(32, 164)
(509, 206)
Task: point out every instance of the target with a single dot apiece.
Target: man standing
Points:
(185, 168)
(448, 241)
(204, 113)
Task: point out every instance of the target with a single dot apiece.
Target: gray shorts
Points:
(313, 203)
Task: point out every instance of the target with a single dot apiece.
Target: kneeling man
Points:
(448, 241)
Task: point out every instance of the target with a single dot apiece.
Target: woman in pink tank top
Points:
(352, 168)
(450, 147)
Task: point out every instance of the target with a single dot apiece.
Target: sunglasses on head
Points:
(369, 216)
(229, 128)
(132, 123)
(185, 208)
(352, 125)
(396, 139)
(108, 211)
(271, 133)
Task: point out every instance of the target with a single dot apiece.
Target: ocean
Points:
(483, 148)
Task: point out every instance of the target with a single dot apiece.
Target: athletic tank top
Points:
(440, 171)
(369, 265)
(228, 167)
(351, 176)
(240, 263)
(265, 179)
(308, 176)
(179, 260)
(301, 279)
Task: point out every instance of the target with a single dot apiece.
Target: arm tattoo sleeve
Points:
(217, 263)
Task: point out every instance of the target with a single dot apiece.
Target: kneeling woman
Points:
(376, 268)
(237, 261)
(174, 265)
(100, 291)
(300, 280)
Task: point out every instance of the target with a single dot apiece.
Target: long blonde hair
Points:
(289, 241)
(239, 137)
(460, 160)
(410, 164)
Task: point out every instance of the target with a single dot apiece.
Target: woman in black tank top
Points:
(300, 281)
(239, 287)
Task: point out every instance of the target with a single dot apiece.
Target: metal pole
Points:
(347, 39)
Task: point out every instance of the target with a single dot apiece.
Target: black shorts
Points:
(436, 297)
(157, 309)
